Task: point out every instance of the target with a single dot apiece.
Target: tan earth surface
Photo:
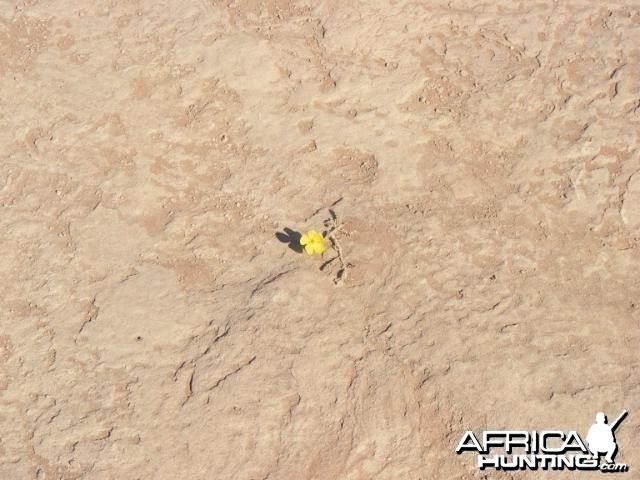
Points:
(482, 160)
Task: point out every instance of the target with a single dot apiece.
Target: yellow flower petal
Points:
(309, 248)
(319, 247)
(304, 239)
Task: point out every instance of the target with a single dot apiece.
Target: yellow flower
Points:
(313, 242)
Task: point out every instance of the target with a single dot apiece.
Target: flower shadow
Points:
(292, 238)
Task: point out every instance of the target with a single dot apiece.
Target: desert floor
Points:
(159, 160)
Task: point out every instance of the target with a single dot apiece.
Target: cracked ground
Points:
(159, 160)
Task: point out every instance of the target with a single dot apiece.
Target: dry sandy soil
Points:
(155, 324)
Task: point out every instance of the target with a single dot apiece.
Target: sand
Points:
(157, 323)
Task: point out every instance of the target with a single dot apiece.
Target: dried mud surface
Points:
(155, 325)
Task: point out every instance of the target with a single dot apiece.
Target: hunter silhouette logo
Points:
(547, 449)
(600, 437)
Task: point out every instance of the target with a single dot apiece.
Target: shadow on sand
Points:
(291, 237)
